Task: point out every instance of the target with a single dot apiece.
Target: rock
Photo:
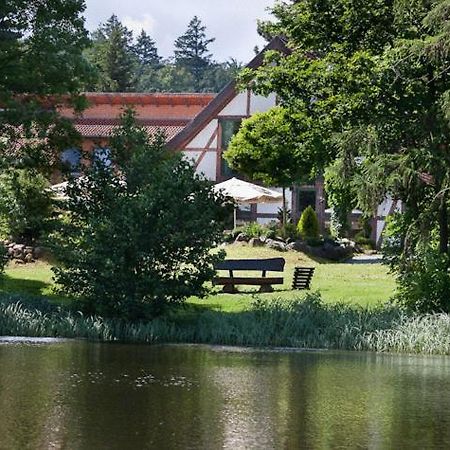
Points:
(276, 245)
(10, 251)
(255, 242)
(19, 247)
(299, 246)
(28, 250)
(38, 252)
(29, 258)
(19, 261)
(241, 237)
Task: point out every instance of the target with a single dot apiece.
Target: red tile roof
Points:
(168, 112)
(98, 128)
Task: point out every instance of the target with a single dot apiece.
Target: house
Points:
(200, 126)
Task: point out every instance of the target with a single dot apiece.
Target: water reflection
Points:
(78, 395)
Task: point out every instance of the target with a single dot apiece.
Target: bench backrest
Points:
(269, 264)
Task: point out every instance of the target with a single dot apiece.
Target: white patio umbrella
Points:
(245, 193)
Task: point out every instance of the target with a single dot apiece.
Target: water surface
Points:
(80, 395)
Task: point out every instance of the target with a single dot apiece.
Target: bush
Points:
(254, 230)
(425, 285)
(289, 231)
(25, 205)
(308, 225)
(138, 236)
(364, 241)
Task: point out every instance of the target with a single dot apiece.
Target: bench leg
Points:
(229, 289)
(266, 288)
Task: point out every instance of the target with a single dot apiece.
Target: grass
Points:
(349, 314)
(359, 284)
(304, 323)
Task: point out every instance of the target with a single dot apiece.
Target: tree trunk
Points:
(284, 207)
(443, 224)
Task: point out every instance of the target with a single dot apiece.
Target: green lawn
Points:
(364, 284)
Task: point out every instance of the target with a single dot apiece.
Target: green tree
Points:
(113, 55)
(41, 66)
(126, 248)
(266, 149)
(25, 205)
(308, 225)
(191, 51)
(146, 51)
(372, 77)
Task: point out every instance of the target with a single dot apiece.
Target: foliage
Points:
(113, 55)
(127, 63)
(146, 51)
(308, 225)
(128, 249)
(340, 198)
(254, 230)
(191, 51)
(305, 322)
(41, 64)
(422, 272)
(25, 205)
(364, 241)
(288, 230)
(265, 149)
(373, 83)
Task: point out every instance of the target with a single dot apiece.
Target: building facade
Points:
(201, 127)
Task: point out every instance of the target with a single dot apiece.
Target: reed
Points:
(305, 323)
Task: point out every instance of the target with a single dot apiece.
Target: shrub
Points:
(308, 225)
(254, 230)
(25, 205)
(289, 231)
(364, 241)
(424, 286)
(138, 236)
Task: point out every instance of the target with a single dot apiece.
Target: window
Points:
(229, 128)
(306, 197)
(71, 160)
(102, 155)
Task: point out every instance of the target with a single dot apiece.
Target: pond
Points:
(80, 395)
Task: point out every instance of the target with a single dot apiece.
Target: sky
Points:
(231, 22)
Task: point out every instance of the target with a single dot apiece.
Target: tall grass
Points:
(305, 323)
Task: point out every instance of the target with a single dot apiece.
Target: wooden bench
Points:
(264, 265)
(302, 277)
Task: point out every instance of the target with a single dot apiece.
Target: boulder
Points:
(255, 242)
(29, 258)
(241, 237)
(38, 252)
(276, 245)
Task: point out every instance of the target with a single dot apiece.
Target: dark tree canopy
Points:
(191, 50)
(112, 53)
(372, 79)
(146, 51)
(138, 236)
(41, 64)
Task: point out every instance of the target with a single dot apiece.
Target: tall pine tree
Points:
(191, 51)
(146, 51)
(112, 53)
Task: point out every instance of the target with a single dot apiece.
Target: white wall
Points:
(204, 136)
(207, 165)
(237, 106)
(258, 103)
